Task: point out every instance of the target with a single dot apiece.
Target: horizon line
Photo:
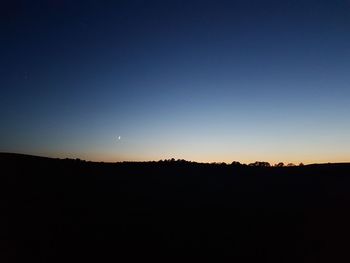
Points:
(285, 164)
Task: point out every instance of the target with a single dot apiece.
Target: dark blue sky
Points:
(199, 80)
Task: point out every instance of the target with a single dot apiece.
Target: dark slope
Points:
(69, 210)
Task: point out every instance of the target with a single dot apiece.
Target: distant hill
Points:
(72, 210)
(18, 156)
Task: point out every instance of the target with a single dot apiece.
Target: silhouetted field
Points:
(69, 210)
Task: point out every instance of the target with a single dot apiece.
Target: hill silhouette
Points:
(72, 210)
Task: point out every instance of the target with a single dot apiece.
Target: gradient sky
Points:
(199, 80)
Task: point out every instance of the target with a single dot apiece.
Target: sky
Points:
(207, 81)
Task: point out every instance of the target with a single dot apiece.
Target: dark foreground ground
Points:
(73, 211)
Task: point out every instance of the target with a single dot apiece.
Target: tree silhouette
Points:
(235, 163)
(260, 164)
